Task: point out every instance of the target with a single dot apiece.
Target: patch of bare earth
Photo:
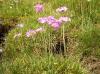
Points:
(93, 64)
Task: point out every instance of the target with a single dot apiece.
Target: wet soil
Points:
(5, 26)
(4, 29)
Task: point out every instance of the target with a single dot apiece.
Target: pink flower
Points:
(30, 33)
(42, 20)
(39, 7)
(62, 9)
(64, 19)
(50, 19)
(41, 29)
(56, 25)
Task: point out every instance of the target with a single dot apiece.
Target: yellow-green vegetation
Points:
(40, 54)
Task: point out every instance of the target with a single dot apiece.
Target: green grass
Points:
(24, 55)
(47, 64)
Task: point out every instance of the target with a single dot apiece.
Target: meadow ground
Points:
(49, 37)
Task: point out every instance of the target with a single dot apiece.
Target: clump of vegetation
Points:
(25, 63)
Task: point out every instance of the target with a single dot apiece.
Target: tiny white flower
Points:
(10, 7)
(55, 63)
(17, 35)
(20, 25)
(1, 51)
(88, 0)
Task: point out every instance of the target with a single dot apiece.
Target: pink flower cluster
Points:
(53, 22)
(32, 32)
(50, 20)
